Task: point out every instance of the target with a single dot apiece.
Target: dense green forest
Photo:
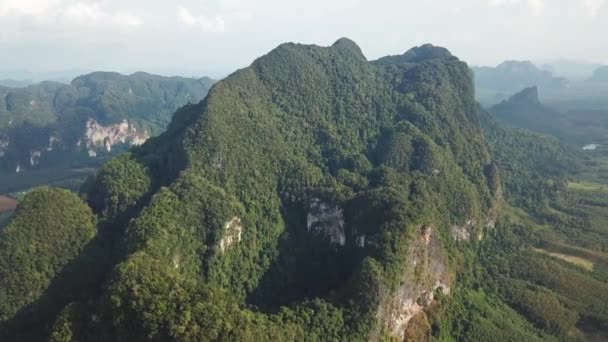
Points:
(554, 272)
(50, 125)
(318, 196)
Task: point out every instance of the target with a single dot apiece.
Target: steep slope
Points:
(533, 166)
(50, 123)
(38, 252)
(311, 196)
(524, 110)
(579, 127)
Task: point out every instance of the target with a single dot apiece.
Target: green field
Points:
(587, 186)
(582, 262)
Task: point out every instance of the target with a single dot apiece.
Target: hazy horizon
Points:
(214, 38)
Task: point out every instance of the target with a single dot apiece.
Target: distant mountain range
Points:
(579, 127)
(525, 110)
(495, 84)
(570, 69)
(49, 122)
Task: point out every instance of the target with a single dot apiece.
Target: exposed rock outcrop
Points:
(4, 142)
(327, 220)
(34, 157)
(54, 142)
(108, 136)
(425, 273)
(463, 232)
(233, 231)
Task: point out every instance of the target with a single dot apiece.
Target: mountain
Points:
(600, 74)
(319, 196)
(570, 69)
(579, 127)
(525, 110)
(50, 123)
(60, 76)
(494, 84)
(15, 83)
(526, 158)
(313, 195)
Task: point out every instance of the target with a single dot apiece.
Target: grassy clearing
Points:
(587, 186)
(579, 261)
(520, 216)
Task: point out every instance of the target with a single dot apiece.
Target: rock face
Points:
(327, 220)
(463, 232)
(4, 141)
(54, 142)
(233, 231)
(426, 273)
(107, 136)
(34, 157)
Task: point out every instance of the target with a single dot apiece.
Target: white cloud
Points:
(26, 7)
(92, 15)
(496, 3)
(62, 14)
(201, 22)
(536, 6)
(593, 6)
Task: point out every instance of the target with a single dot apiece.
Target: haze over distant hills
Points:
(495, 84)
(580, 127)
(570, 69)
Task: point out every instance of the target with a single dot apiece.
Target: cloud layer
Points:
(201, 22)
(61, 14)
(226, 34)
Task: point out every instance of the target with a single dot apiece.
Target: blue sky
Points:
(217, 36)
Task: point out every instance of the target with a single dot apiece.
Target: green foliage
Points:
(220, 219)
(119, 186)
(50, 228)
(533, 167)
(30, 117)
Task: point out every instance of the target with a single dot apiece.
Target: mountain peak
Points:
(348, 44)
(600, 74)
(418, 54)
(426, 52)
(529, 95)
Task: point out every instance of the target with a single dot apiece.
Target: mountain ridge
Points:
(375, 178)
(51, 122)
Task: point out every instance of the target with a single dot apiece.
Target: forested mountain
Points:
(312, 195)
(580, 126)
(52, 123)
(524, 110)
(319, 196)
